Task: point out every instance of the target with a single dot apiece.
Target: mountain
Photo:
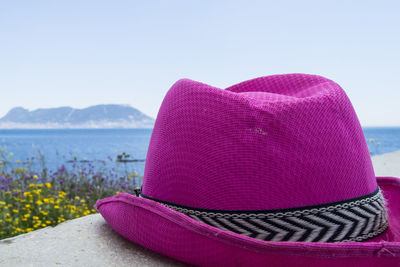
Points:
(99, 116)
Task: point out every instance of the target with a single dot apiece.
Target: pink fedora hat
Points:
(271, 171)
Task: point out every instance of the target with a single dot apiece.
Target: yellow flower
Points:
(40, 185)
(43, 212)
(48, 185)
(31, 185)
(27, 206)
(2, 203)
(8, 220)
(24, 219)
(37, 192)
(29, 230)
(39, 202)
(93, 210)
(48, 222)
(46, 200)
(56, 206)
(27, 215)
(82, 201)
(15, 211)
(27, 194)
(35, 177)
(35, 217)
(77, 197)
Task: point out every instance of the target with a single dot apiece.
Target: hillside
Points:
(99, 116)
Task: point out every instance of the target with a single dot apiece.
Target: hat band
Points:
(356, 219)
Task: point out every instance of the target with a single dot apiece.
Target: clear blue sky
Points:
(81, 53)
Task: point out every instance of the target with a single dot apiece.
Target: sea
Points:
(102, 147)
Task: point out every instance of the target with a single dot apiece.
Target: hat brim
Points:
(176, 235)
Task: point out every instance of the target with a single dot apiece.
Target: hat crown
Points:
(274, 142)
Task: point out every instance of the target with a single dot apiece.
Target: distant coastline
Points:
(93, 117)
(95, 125)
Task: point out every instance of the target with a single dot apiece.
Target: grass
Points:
(31, 200)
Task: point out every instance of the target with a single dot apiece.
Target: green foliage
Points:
(31, 199)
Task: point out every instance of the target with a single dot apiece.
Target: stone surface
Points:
(387, 164)
(89, 241)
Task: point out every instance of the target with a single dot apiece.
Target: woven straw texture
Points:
(274, 142)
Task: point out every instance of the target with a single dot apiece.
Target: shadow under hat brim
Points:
(164, 230)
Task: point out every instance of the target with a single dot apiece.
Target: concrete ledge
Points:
(87, 241)
(387, 164)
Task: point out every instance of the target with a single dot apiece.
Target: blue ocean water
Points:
(384, 139)
(60, 147)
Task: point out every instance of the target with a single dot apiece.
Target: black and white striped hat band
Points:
(355, 219)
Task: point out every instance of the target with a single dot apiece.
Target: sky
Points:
(82, 53)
